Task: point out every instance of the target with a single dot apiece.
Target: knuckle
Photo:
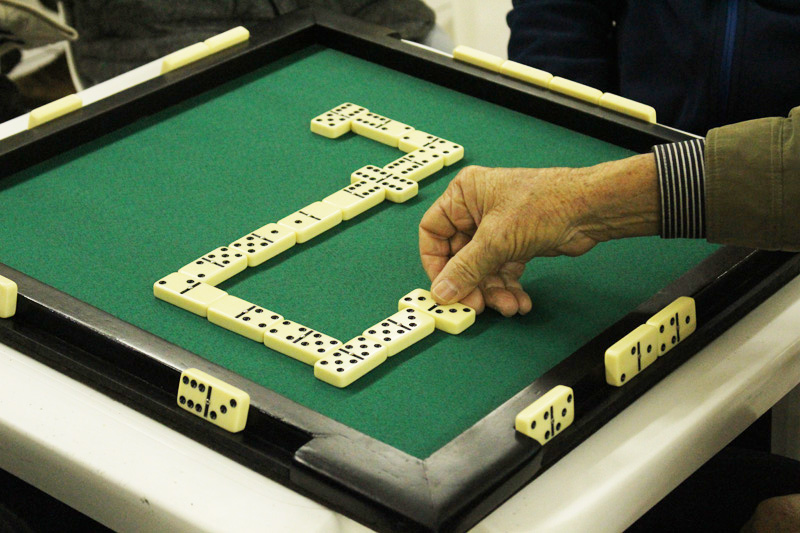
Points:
(469, 173)
(465, 271)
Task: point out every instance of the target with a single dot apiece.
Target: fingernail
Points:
(445, 290)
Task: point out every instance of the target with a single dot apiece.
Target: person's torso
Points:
(703, 64)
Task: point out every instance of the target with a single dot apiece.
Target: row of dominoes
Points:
(417, 317)
(543, 79)
(361, 121)
(369, 186)
(193, 287)
(337, 363)
(640, 348)
(555, 410)
(175, 60)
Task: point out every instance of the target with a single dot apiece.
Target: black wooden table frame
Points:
(348, 471)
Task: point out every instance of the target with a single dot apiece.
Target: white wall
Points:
(480, 24)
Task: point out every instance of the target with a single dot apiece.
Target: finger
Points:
(458, 241)
(475, 300)
(497, 296)
(466, 269)
(510, 274)
(435, 231)
(435, 252)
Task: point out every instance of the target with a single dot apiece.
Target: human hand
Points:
(476, 238)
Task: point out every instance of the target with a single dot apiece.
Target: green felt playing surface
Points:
(105, 221)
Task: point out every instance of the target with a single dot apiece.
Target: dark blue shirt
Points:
(699, 63)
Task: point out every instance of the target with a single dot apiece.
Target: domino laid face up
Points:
(198, 157)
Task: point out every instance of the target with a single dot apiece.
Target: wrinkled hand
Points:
(476, 238)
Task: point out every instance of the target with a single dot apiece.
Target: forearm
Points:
(621, 199)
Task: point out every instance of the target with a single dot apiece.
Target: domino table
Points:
(104, 201)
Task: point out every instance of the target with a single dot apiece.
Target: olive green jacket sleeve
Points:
(753, 183)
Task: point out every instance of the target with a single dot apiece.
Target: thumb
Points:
(464, 271)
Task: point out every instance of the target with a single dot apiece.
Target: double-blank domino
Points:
(548, 416)
(214, 400)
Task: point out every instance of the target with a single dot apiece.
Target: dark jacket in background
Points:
(700, 63)
(119, 35)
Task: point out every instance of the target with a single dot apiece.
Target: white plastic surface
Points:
(132, 473)
(129, 472)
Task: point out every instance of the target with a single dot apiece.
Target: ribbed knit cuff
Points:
(681, 178)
